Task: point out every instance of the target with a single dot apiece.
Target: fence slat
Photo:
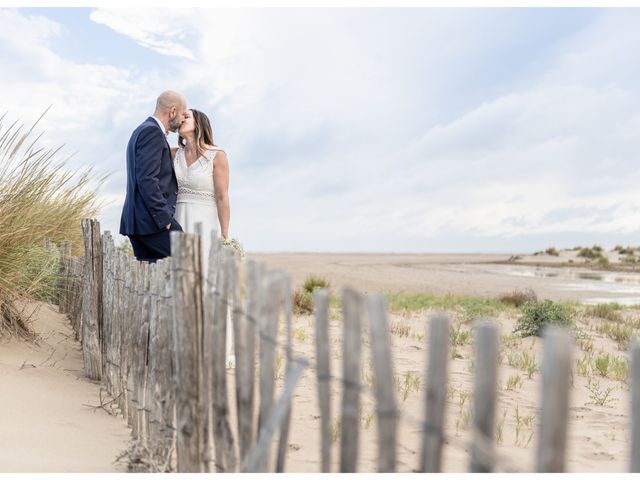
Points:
(64, 271)
(223, 437)
(269, 313)
(352, 304)
(436, 392)
(107, 307)
(323, 375)
(166, 373)
(556, 370)
(130, 342)
(245, 349)
(258, 457)
(287, 298)
(635, 406)
(187, 326)
(92, 300)
(386, 410)
(485, 393)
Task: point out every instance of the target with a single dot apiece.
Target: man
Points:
(152, 188)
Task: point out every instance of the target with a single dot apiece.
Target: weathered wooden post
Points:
(352, 305)
(386, 410)
(556, 369)
(258, 457)
(187, 327)
(323, 375)
(287, 298)
(223, 437)
(92, 300)
(64, 273)
(635, 407)
(486, 362)
(435, 398)
(108, 259)
(245, 348)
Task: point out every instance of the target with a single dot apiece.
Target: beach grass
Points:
(42, 199)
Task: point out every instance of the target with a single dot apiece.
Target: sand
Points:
(598, 438)
(47, 422)
(47, 427)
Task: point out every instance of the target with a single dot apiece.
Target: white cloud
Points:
(344, 125)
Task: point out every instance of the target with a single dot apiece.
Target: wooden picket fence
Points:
(155, 335)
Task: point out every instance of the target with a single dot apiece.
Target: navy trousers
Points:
(151, 248)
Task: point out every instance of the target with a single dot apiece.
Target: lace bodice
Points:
(195, 182)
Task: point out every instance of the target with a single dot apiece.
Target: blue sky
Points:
(398, 130)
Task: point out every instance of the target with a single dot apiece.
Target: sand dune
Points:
(46, 424)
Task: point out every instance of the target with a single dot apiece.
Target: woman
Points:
(202, 170)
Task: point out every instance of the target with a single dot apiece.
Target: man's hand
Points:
(169, 227)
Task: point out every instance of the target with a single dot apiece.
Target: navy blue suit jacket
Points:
(152, 187)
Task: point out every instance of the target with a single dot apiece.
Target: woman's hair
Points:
(202, 132)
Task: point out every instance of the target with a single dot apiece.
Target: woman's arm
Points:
(221, 187)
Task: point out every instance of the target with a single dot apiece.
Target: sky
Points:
(359, 129)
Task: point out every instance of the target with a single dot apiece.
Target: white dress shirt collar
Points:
(160, 125)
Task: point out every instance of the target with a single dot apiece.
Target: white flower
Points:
(235, 244)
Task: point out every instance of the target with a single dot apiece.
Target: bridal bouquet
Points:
(235, 244)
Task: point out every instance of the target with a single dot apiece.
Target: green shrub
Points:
(312, 282)
(588, 253)
(302, 302)
(517, 298)
(552, 251)
(537, 315)
(603, 262)
(608, 311)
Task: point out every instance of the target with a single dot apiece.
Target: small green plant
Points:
(603, 262)
(622, 334)
(601, 363)
(619, 369)
(552, 251)
(600, 396)
(300, 334)
(418, 337)
(336, 430)
(460, 336)
(583, 366)
(537, 315)
(514, 382)
(500, 427)
(523, 361)
(411, 383)
(365, 419)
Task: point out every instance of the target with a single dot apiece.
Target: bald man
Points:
(150, 203)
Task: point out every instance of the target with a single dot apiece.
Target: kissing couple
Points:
(174, 188)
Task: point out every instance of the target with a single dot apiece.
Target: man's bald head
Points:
(170, 108)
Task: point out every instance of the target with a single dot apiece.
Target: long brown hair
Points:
(202, 132)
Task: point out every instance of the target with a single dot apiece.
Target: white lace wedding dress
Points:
(196, 203)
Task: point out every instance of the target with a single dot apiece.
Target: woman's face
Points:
(189, 124)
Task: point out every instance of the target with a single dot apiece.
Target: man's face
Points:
(177, 117)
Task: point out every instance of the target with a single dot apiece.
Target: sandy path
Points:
(45, 426)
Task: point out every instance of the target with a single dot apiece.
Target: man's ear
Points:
(172, 112)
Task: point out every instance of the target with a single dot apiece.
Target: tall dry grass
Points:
(41, 197)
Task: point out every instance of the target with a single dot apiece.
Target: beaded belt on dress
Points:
(189, 193)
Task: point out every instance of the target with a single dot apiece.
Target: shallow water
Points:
(602, 287)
